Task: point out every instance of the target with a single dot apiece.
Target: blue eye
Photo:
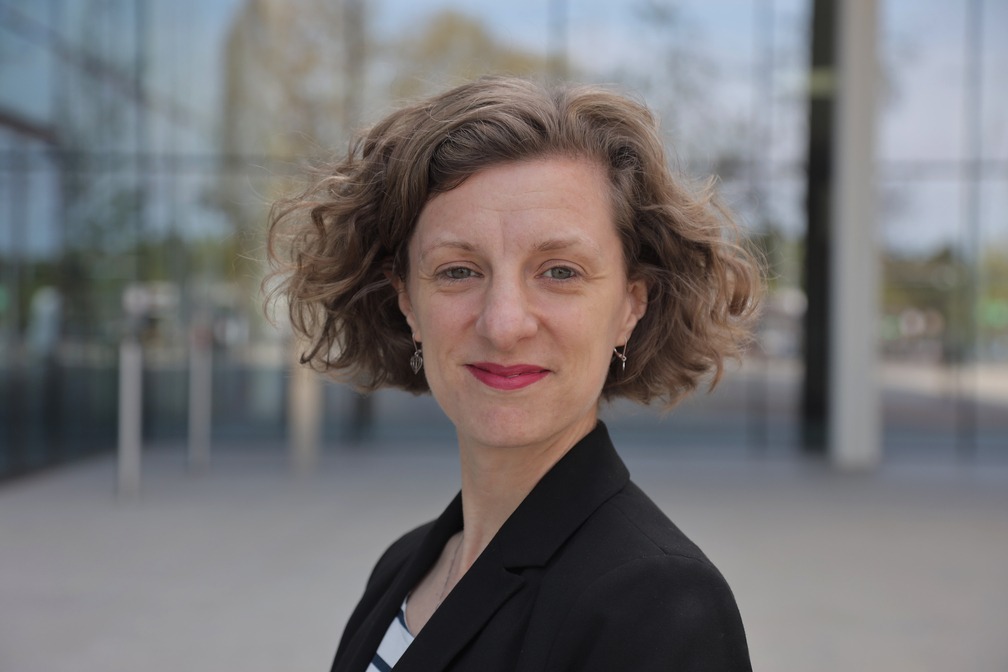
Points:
(560, 273)
(458, 273)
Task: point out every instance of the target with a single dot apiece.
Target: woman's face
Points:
(518, 293)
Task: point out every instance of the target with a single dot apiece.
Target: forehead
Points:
(552, 197)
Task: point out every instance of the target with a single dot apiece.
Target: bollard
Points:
(305, 413)
(200, 396)
(130, 416)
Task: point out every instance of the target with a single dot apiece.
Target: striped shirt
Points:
(393, 645)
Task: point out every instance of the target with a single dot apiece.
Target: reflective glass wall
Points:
(943, 171)
(141, 142)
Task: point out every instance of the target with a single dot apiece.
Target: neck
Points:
(495, 480)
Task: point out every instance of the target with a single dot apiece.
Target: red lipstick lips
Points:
(512, 377)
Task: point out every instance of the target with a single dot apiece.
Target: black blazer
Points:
(586, 574)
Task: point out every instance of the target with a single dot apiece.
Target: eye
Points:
(560, 273)
(457, 273)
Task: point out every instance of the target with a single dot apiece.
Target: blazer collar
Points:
(364, 644)
(590, 473)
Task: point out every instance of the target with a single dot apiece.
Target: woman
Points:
(522, 253)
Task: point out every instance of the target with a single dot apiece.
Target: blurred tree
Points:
(993, 308)
(782, 254)
(994, 271)
(451, 48)
(294, 85)
(97, 105)
(300, 72)
(677, 84)
(933, 284)
(294, 73)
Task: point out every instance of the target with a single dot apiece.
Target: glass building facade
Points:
(142, 141)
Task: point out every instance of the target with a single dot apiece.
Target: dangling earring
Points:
(621, 356)
(416, 361)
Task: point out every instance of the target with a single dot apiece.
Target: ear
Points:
(405, 304)
(637, 293)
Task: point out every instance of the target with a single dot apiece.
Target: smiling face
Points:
(518, 292)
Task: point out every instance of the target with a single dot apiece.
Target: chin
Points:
(504, 427)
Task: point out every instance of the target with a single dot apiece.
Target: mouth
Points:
(512, 377)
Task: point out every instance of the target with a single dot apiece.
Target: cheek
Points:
(608, 317)
(587, 337)
(442, 319)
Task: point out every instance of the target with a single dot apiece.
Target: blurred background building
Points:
(142, 141)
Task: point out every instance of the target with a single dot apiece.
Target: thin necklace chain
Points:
(451, 566)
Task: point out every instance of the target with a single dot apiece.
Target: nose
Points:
(506, 316)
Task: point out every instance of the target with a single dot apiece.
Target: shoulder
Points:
(644, 547)
(651, 613)
(670, 593)
(630, 526)
(646, 597)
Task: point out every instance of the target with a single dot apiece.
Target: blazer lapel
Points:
(565, 497)
(464, 612)
(589, 474)
(364, 644)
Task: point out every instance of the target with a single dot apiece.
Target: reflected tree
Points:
(453, 47)
(294, 85)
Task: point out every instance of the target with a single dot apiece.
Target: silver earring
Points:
(416, 361)
(621, 356)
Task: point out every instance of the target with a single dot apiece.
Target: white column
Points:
(855, 417)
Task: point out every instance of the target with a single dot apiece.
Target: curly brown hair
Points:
(335, 246)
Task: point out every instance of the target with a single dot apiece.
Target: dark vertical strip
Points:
(59, 422)
(15, 409)
(816, 341)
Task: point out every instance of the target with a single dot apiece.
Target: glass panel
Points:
(990, 379)
(143, 143)
(922, 53)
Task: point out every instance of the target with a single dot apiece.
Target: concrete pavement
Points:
(250, 566)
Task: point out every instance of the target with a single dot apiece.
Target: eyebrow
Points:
(552, 244)
(548, 245)
(451, 243)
